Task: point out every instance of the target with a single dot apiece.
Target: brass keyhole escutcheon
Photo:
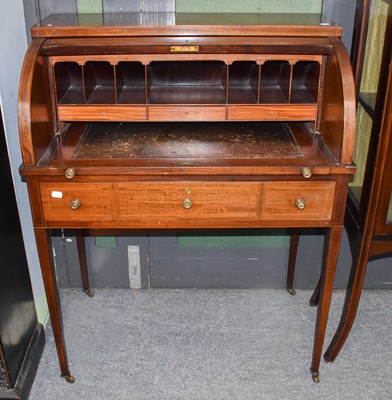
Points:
(187, 203)
(70, 173)
(306, 172)
(300, 204)
(75, 204)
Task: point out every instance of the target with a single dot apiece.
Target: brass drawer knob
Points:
(187, 203)
(300, 204)
(70, 173)
(75, 204)
(306, 172)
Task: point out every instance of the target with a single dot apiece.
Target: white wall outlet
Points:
(135, 279)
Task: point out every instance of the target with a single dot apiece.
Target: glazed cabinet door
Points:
(383, 223)
(371, 77)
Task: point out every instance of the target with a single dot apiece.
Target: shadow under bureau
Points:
(186, 126)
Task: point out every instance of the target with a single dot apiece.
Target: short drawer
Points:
(152, 204)
(87, 112)
(186, 113)
(272, 112)
(297, 201)
(77, 201)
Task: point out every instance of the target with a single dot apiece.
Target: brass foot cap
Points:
(313, 302)
(69, 378)
(315, 376)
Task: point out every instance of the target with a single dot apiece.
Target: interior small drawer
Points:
(76, 201)
(298, 201)
(187, 113)
(272, 112)
(102, 113)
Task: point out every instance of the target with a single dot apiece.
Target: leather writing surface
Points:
(182, 140)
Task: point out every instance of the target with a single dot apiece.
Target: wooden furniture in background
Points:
(369, 206)
(188, 126)
(22, 338)
(368, 218)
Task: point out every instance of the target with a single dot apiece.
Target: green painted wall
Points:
(250, 6)
(264, 239)
(229, 6)
(105, 241)
(89, 6)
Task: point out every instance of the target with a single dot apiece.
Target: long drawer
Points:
(182, 204)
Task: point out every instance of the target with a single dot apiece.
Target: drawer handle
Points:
(300, 204)
(70, 173)
(187, 203)
(75, 204)
(306, 172)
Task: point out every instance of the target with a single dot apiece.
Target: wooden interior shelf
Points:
(274, 82)
(243, 82)
(305, 82)
(130, 83)
(187, 82)
(69, 83)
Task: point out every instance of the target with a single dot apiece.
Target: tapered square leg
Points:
(83, 263)
(331, 253)
(44, 247)
(294, 240)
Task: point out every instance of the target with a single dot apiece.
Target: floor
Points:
(212, 345)
(3, 379)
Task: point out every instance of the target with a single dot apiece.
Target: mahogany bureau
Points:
(211, 122)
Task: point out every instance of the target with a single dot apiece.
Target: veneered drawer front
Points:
(297, 201)
(101, 113)
(281, 112)
(186, 204)
(186, 113)
(94, 201)
(163, 202)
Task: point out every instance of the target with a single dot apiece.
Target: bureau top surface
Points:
(163, 24)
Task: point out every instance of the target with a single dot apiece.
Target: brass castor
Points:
(313, 302)
(292, 291)
(315, 299)
(69, 378)
(315, 376)
(89, 293)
